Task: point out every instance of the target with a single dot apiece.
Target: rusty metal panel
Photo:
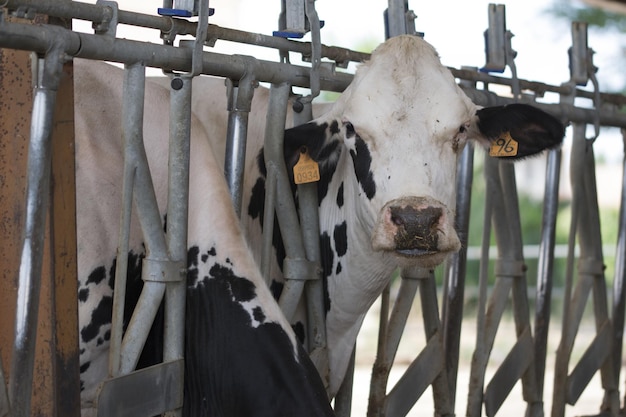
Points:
(15, 108)
(63, 240)
(56, 374)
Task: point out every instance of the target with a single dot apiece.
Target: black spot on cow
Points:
(276, 288)
(83, 294)
(84, 367)
(100, 316)
(192, 265)
(241, 289)
(212, 251)
(328, 158)
(340, 196)
(362, 160)
(204, 257)
(258, 314)
(327, 260)
(298, 329)
(334, 127)
(341, 238)
(257, 200)
(97, 275)
(228, 261)
(328, 256)
(338, 269)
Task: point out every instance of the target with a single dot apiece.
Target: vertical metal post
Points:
(239, 104)
(285, 206)
(546, 265)
(177, 219)
(619, 288)
(455, 270)
(37, 197)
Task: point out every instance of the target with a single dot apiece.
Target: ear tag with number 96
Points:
(504, 146)
(306, 169)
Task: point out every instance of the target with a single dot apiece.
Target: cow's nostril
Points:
(397, 220)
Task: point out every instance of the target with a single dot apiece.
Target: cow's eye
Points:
(349, 129)
(462, 129)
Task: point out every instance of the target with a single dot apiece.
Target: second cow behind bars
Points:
(387, 153)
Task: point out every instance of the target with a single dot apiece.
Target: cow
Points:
(387, 151)
(242, 357)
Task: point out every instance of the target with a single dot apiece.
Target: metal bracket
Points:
(301, 269)
(108, 26)
(163, 270)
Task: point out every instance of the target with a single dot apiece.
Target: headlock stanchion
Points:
(164, 266)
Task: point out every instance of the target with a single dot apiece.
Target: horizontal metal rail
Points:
(171, 26)
(41, 38)
(82, 45)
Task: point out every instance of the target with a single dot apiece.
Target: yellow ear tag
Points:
(504, 146)
(306, 170)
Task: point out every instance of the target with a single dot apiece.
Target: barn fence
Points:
(437, 364)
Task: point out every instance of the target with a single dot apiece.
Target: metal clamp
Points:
(108, 26)
(163, 270)
(301, 269)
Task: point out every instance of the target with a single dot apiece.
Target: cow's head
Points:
(404, 121)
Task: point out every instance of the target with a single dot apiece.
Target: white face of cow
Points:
(405, 112)
(404, 121)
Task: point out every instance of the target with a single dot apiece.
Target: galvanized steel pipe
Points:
(239, 103)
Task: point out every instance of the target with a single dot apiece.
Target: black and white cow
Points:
(387, 151)
(242, 358)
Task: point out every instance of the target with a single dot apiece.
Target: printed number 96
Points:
(505, 146)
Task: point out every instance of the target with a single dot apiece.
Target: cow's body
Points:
(387, 151)
(241, 356)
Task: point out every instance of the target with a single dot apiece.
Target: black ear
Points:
(531, 130)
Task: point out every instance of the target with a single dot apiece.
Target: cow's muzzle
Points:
(419, 228)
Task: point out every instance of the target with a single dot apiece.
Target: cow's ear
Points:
(313, 138)
(516, 131)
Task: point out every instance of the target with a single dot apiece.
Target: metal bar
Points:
(239, 103)
(455, 270)
(83, 45)
(37, 196)
(591, 253)
(546, 265)
(508, 373)
(415, 380)
(481, 352)
(619, 288)
(391, 332)
(285, 206)
(343, 399)
(432, 328)
(514, 246)
(121, 266)
(396, 17)
(177, 221)
(148, 214)
(378, 384)
(13, 35)
(172, 26)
